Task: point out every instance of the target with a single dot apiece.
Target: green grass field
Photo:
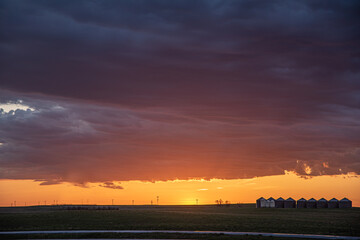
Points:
(234, 218)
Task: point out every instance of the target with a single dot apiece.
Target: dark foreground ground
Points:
(245, 218)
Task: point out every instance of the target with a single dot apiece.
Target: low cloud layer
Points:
(81, 142)
(157, 90)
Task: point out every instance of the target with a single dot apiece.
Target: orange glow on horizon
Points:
(183, 192)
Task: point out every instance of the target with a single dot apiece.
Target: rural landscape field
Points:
(180, 119)
(244, 218)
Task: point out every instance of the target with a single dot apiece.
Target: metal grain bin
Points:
(270, 203)
(279, 203)
(321, 203)
(333, 203)
(289, 203)
(261, 202)
(311, 203)
(345, 203)
(301, 203)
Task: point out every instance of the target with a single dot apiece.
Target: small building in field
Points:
(321, 203)
(311, 203)
(289, 203)
(270, 203)
(301, 203)
(261, 202)
(279, 203)
(345, 203)
(333, 203)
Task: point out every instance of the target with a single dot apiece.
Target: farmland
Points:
(244, 218)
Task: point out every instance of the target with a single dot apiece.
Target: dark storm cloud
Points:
(56, 140)
(156, 86)
(153, 53)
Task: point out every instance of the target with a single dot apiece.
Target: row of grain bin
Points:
(303, 203)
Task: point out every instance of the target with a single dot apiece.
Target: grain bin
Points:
(279, 203)
(345, 203)
(270, 203)
(333, 203)
(311, 203)
(261, 202)
(322, 203)
(289, 203)
(301, 203)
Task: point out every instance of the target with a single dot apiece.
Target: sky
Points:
(134, 99)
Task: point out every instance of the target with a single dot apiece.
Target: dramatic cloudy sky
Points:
(153, 90)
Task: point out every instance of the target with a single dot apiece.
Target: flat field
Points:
(245, 218)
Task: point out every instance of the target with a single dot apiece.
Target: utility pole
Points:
(157, 200)
(197, 201)
(151, 202)
(14, 203)
(112, 201)
(133, 202)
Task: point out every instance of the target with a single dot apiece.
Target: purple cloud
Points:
(62, 140)
(156, 90)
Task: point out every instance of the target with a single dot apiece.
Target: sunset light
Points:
(218, 117)
(183, 192)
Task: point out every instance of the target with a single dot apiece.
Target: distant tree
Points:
(219, 202)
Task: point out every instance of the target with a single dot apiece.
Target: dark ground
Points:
(245, 218)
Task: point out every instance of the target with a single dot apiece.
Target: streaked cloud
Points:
(165, 90)
(66, 141)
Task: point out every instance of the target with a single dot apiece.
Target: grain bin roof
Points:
(290, 199)
(302, 200)
(280, 199)
(271, 198)
(333, 200)
(261, 198)
(345, 200)
(311, 200)
(322, 200)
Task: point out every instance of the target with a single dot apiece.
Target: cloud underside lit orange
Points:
(59, 140)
